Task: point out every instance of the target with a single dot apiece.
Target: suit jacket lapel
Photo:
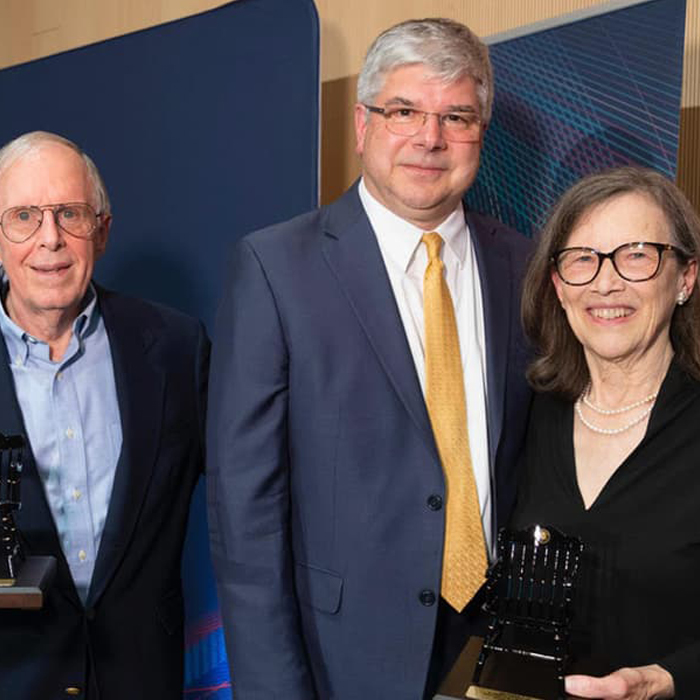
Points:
(493, 261)
(140, 390)
(353, 254)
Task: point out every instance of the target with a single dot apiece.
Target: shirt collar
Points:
(400, 238)
(18, 341)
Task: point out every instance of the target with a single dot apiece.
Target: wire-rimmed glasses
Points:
(462, 126)
(20, 223)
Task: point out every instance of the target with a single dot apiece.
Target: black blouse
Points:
(637, 599)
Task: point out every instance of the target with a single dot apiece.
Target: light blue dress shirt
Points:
(71, 414)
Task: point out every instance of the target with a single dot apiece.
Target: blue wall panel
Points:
(595, 93)
(204, 129)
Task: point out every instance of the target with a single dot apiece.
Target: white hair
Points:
(448, 48)
(15, 149)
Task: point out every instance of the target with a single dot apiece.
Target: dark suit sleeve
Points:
(248, 490)
(684, 666)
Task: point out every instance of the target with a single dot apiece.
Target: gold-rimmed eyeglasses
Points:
(78, 219)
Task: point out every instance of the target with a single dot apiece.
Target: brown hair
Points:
(560, 365)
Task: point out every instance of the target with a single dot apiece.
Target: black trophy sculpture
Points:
(11, 555)
(529, 594)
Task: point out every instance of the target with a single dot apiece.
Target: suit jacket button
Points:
(72, 690)
(427, 598)
(90, 614)
(435, 502)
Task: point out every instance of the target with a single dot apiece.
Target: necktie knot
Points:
(433, 242)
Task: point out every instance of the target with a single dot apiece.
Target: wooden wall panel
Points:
(339, 163)
(348, 28)
(691, 65)
(34, 28)
(688, 176)
(689, 144)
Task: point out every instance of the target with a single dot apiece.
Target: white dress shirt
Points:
(406, 259)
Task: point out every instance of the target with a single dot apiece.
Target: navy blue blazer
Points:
(322, 460)
(131, 628)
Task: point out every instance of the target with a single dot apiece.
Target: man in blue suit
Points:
(328, 475)
(109, 392)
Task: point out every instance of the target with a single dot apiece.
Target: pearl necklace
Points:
(610, 431)
(614, 411)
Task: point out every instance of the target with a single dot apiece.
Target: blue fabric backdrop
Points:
(204, 129)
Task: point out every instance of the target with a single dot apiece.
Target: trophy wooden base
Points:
(27, 591)
(505, 677)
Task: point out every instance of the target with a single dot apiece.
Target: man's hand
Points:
(640, 683)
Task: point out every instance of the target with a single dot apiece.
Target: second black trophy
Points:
(529, 592)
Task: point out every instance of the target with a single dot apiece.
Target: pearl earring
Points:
(681, 298)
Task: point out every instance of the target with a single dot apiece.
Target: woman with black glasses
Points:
(613, 456)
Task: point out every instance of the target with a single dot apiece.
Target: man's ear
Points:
(361, 115)
(102, 235)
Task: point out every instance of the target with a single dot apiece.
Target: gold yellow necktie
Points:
(464, 557)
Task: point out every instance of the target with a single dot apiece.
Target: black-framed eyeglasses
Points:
(635, 262)
(463, 127)
(78, 219)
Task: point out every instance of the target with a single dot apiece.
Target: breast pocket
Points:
(319, 588)
(102, 448)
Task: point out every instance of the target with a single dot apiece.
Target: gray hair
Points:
(560, 366)
(449, 49)
(15, 149)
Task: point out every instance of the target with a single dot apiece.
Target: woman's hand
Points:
(639, 683)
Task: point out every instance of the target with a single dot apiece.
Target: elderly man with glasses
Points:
(368, 401)
(109, 393)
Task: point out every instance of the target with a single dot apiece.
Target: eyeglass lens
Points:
(20, 223)
(456, 126)
(635, 262)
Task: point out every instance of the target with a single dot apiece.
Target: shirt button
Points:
(18, 360)
(59, 376)
(70, 433)
(77, 493)
(435, 502)
(427, 598)
(82, 555)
